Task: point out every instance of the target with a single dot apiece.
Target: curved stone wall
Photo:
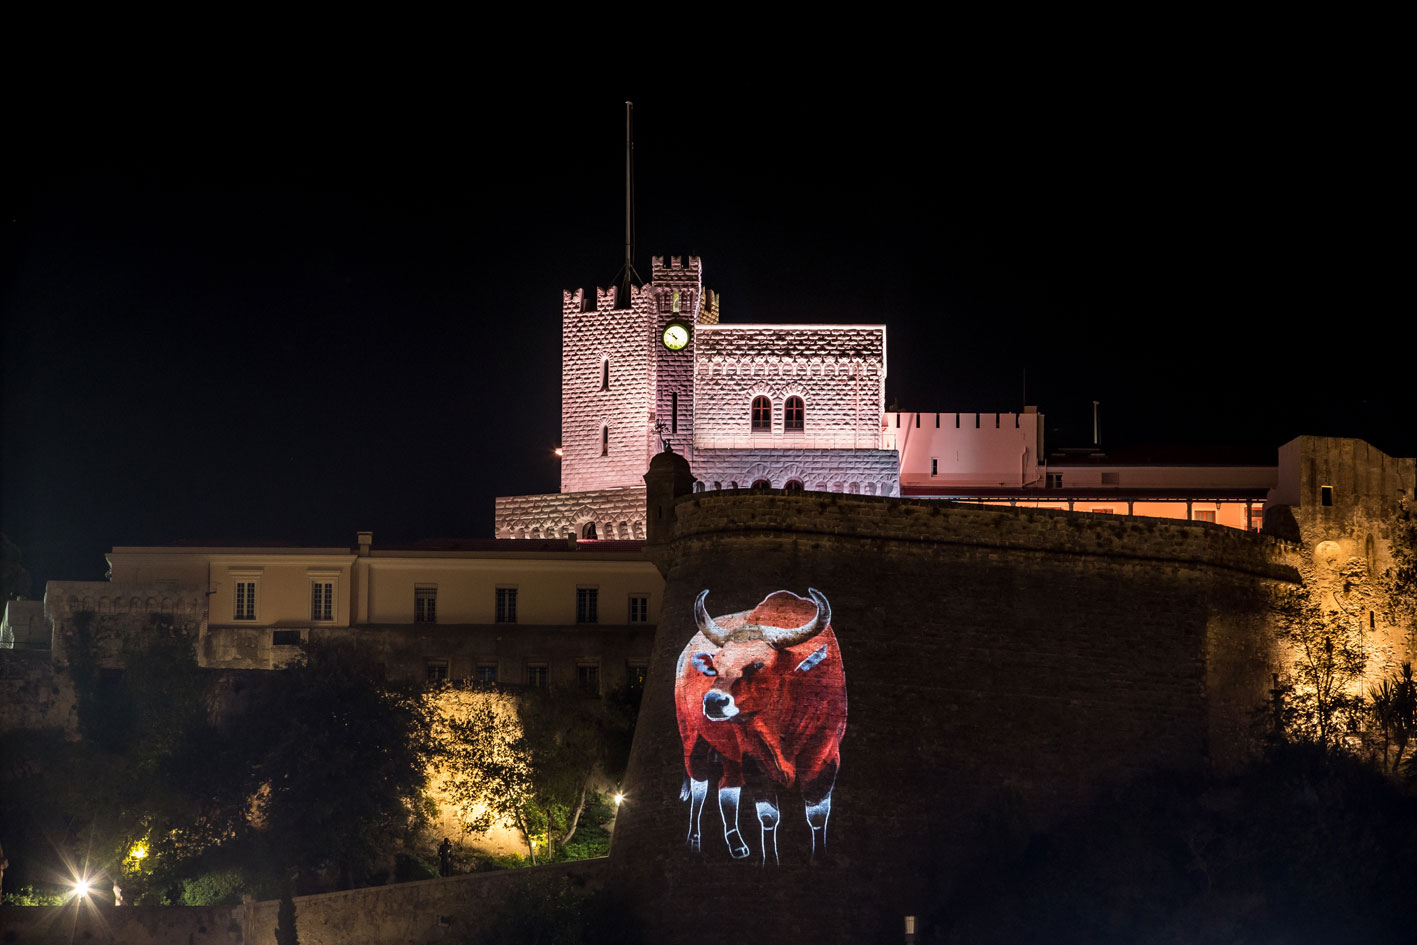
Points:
(988, 654)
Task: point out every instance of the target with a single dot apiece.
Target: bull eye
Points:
(752, 668)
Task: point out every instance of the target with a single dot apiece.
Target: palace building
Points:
(802, 407)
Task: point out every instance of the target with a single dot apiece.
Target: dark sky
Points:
(297, 309)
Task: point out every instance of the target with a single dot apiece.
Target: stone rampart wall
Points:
(994, 659)
(90, 924)
(435, 910)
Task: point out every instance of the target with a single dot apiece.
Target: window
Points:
(588, 530)
(588, 678)
(587, 599)
(635, 676)
(506, 605)
(639, 608)
(425, 603)
(762, 414)
(793, 485)
(934, 465)
(792, 415)
(605, 374)
(285, 638)
(604, 441)
(761, 484)
(245, 600)
(322, 600)
(437, 671)
(1326, 495)
(673, 412)
(536, 675)
(486, 674)
(1203, 515)
(1055, 480)
(1256, 518)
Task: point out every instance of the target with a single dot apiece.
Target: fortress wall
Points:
(993, 656)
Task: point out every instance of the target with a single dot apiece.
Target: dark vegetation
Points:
(311, 778)
(1307, 844)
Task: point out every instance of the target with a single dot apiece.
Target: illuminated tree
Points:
(489, 765)
(1321, 701)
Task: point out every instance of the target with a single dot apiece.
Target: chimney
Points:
(365, 540)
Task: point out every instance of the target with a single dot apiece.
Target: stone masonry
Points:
(995, 659)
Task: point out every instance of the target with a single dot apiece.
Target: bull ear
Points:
(704, 664)
(813, 660)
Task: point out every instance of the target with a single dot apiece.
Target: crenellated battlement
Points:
(676, 271)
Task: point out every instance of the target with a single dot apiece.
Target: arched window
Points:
(588, 530)
(717, 486)
(792, 415)
(794, 485)
(733, 484)
(761, 484)
(604, 441)
(762, 414)
(605, 374)
(698, 485)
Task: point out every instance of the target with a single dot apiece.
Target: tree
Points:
(1394, 710)
(571, 739)
(340, 761)
(529, 761)
(489, 764)
(1321, 701)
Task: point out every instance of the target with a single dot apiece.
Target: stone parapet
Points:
(616, 514)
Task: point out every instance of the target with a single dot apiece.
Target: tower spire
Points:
(627, 275)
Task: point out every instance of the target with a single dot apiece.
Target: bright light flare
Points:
(619, 798)
(81, 888)
(559, 452)
(139, 850)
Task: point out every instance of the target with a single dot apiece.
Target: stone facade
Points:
(624, 395)
(864, 472)
(616, 513)
(621, 389)
(1338, 499)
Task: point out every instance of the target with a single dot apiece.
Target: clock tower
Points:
(627, 375)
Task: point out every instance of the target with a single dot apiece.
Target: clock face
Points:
(675, 336)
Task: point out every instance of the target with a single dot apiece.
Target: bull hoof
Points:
(736, 847)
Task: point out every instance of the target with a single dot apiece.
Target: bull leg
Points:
(768, 816)
(728, 807)
(698, 790)
(817, 815)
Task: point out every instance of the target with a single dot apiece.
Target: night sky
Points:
(292, 311)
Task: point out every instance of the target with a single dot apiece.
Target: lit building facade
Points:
(802, 407)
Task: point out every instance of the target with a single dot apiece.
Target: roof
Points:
(1137, 493)
(1166, 455)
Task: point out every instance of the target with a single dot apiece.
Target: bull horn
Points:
(780, 638)
(706, 624)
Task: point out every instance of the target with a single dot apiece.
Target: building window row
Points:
(425, 605)
(537, 675)
(793, 415)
